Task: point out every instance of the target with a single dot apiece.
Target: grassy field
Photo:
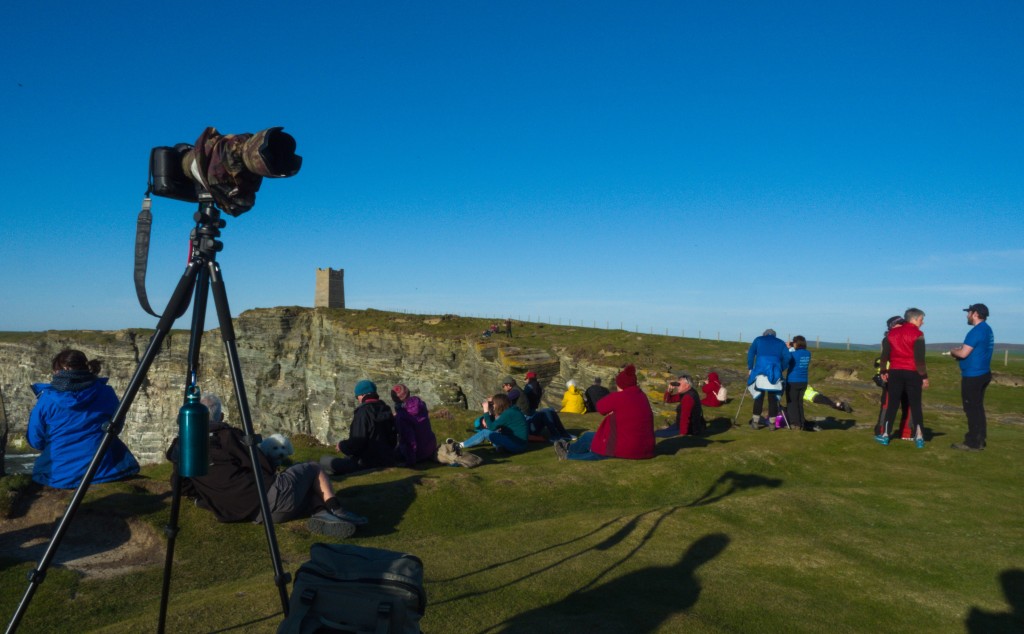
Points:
(737, 531)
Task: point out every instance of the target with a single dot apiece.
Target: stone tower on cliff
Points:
(330, 288)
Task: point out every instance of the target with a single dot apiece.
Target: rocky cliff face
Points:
(299, 366)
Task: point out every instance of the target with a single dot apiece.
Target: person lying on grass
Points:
(229, 487)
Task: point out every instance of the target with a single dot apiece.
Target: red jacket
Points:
(628, 429)
(906, 348)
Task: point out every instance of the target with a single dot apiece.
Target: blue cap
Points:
(365, 386)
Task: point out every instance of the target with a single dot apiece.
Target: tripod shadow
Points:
(729, 483)
(635, 610)
(982, 622)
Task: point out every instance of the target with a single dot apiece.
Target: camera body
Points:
(230, 166)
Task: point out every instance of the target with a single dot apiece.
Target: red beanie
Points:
(401, 392)
(626, 378)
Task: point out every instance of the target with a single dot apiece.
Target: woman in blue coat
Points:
(796, 384)
(66, 425)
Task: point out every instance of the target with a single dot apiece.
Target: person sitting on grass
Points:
(627, 430)
(66, 425)
(572, 400)
(371, 439)
(416, 439)
(714, 394)
(689, 414)
(595, 393)
(229, 487)
(504, 427)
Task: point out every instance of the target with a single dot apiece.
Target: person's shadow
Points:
(730, 482)
(385, 502)
(618, 606)
(982, 622)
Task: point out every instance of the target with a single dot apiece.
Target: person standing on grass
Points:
(767, 357)
(975, 357)
(903, 368)
(796, 384)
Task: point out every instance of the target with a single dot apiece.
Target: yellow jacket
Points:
(572, 401)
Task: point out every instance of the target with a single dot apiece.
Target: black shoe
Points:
(962, 447)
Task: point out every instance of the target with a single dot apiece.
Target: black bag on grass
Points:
(345, 588)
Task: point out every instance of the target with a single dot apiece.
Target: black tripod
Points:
(201, 275)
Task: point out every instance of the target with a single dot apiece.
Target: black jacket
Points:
(372, 438)
(594, 394)
(228, 489)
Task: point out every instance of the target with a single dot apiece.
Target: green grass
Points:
(739, 531)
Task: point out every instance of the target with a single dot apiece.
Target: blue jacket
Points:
(799, 363)
(767, 355)
(66, 426)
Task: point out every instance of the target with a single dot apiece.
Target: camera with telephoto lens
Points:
(231, 167)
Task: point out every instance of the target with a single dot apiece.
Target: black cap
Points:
(981, 309)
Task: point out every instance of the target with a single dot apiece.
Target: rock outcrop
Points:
(299, 366)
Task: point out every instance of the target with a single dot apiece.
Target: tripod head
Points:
(203, 238)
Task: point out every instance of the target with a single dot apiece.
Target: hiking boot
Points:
(963, 447)
(919, 443)
(882, 440)
(330, 525)
(562, 449)
(846, 407)
(350, 517)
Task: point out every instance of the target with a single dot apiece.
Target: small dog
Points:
(277, 447)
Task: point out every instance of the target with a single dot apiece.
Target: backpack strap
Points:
(383, 617)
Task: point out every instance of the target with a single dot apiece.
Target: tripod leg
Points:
(202, 289)
(227, 332)
(172, 534)
(176, 306)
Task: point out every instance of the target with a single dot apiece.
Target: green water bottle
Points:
(193, 433)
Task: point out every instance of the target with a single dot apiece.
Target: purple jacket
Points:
(416, 440)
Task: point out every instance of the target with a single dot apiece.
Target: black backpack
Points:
(345, 588)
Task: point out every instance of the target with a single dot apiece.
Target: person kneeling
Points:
(229, 487)
(505, 427)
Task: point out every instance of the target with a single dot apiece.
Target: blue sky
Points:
(714, 167)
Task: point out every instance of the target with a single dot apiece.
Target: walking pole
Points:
(738, 409)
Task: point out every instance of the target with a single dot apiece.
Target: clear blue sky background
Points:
(699, 166)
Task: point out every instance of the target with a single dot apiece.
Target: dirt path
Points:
(99, 543)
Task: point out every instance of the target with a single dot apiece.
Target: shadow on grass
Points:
(982, 622)
(635, 610)
(731, 482)
(831, 423)
(388, 502)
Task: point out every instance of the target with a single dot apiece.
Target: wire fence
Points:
(1006, 354)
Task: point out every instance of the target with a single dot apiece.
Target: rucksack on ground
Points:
(451, 454)
(722, 394)
(345, 588)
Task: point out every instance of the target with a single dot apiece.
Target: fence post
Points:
(1006, 357)
(817, 342)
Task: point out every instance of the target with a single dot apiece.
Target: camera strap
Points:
(142, 230)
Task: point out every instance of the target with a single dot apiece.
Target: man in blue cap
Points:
(372, 437)
(975, 357)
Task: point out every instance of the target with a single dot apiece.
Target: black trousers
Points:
(910, 384)
(972, 391)
(795, 404)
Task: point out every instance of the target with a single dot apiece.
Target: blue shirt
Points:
(799, 362)
(982, 342)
